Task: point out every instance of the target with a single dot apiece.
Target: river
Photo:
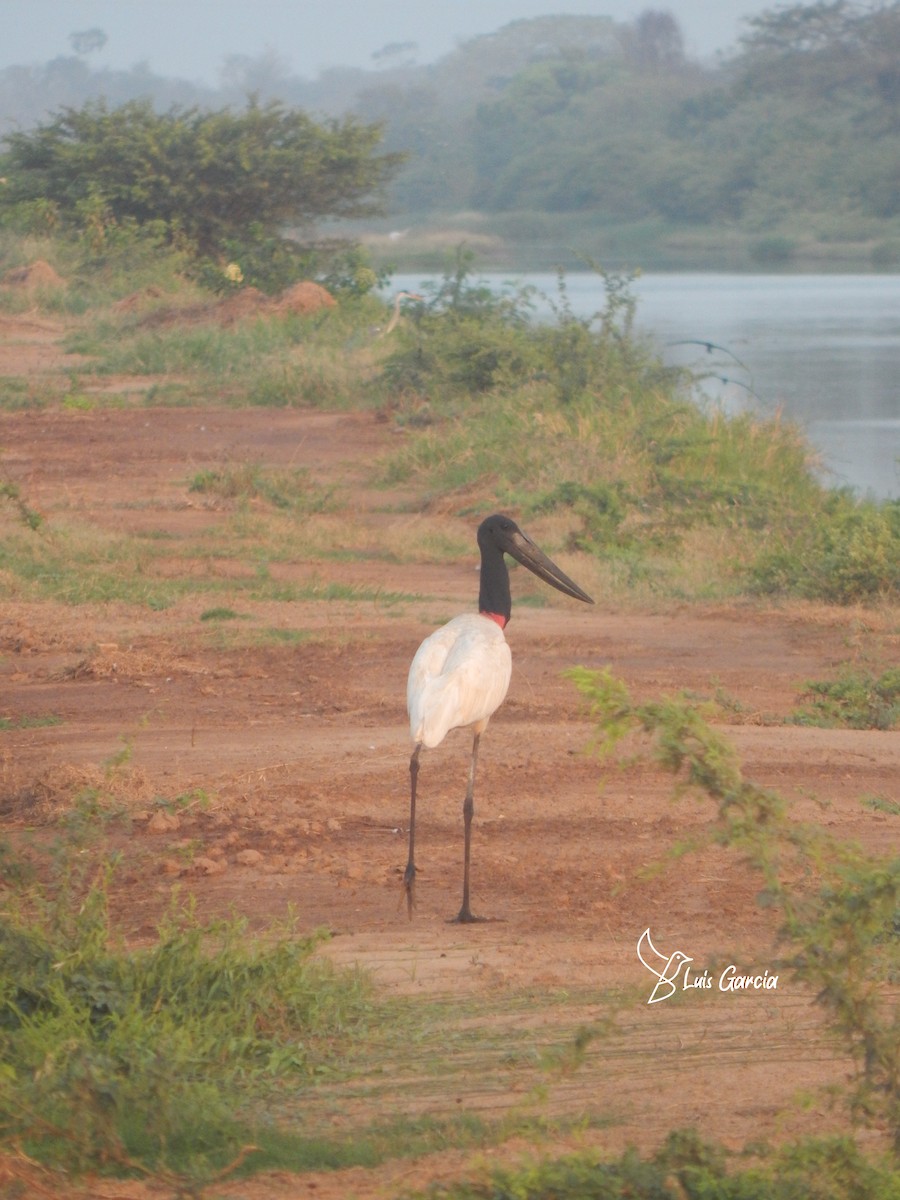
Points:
(822, 349)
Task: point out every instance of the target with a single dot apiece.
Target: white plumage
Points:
(460, 674)
(458, 678)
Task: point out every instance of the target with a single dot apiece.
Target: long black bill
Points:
(523, 550)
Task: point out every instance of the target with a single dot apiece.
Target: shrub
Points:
(285, 489)
(206, 176)
(121, 1055)
(856, 699)
(847, 552)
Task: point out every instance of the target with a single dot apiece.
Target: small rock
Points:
(163, 822)
(333, 825)
(208, 866)
(249, 858)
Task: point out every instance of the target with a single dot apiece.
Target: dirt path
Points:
(303, 745)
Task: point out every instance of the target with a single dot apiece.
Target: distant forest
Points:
(556, 125)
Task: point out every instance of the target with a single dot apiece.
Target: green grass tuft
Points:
(28, 722)
(289, 490)
(856, 699)
(222, 614)
(687, 1166)
(155, 1056)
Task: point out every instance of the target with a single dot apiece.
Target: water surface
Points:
(822, 349)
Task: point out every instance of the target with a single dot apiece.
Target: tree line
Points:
(798, 128)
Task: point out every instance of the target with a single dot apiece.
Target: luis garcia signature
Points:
(668, 967)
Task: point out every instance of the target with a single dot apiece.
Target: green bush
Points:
(688, 1168)
(152, 1055)
(285, 489)
(581, 418)
(204, 177)
(846, 552)
(600, 507)
(856, 699)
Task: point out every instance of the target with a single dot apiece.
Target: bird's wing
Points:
(459, 677)
(645, 944)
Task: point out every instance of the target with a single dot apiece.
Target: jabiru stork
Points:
(461, 672)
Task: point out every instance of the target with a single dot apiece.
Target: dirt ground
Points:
(303, 748)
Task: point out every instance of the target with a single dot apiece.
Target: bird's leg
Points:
(465, 917)
(409, 875)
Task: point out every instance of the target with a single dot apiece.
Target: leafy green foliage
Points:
(774, 133)
(284, 489)
(145, 1056)
(466, 339)
(851, 553)
(687, 1166)
(786, 146)
(214, 181)
(580, 420)
(857, 699)
(27, 515)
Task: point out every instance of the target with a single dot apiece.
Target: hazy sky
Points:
(192, 38)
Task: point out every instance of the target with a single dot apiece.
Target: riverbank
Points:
(545, 242)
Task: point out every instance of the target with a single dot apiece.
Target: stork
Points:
(460, 673)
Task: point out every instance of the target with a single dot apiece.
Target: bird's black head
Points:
(499, 534)
(497, 530)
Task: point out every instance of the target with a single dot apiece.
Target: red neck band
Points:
(498, 617)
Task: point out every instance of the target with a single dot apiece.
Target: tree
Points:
(87, 41)
(657, 42)
(207, 178)
(797, 28)
(828, 48)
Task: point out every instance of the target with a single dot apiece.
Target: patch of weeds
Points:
(285, 489)
(289, 637)
(19, 394)
(119, 1058)
(79, 402)
(849, 552)
(27, 515)
(25, 722)
(857, 699)
(599, 507)
(223, 614)
(688, 1165)
(170, 395)
(195, 798)
(186, 851)
(15, 871)
(728, 703)
(76, 564)
(882, 804)
(92, 811)
(266, 588)
(291, 1150)
(532, 600)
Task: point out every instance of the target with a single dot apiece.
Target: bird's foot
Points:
(465, 916)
